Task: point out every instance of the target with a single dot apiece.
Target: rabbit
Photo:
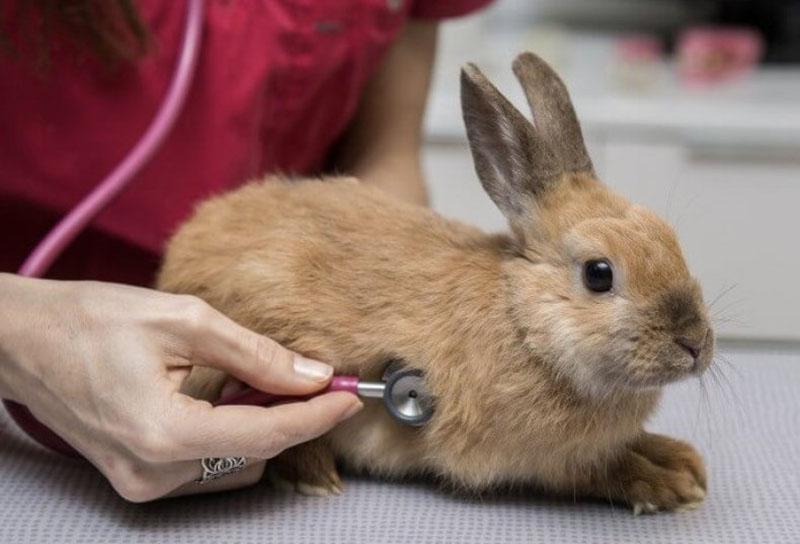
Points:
(546, 348)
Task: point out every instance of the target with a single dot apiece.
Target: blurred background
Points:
(689, 107)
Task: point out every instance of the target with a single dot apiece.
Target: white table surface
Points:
(746, 426)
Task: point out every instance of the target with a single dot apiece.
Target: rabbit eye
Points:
(598, 276)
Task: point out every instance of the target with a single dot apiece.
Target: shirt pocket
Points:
(333, 42)
(326, 52)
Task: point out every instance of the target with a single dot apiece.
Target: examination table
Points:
(747, 425)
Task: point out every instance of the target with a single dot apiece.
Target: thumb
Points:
(257, 360)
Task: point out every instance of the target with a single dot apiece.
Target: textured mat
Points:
(747, 426)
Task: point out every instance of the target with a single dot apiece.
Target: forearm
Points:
(14, 321)
(5, 357)
(397, 174)
(5, 368)
(31, 312)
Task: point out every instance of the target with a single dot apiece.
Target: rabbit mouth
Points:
(673, 358)
(679, 366)
(648, 380)
(671, 362)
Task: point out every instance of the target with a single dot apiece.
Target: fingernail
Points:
(311, 369)
(353, 410)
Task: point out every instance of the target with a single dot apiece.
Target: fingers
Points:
(253, 431)
(255, 359)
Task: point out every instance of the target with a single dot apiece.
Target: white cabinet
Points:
(736, 211)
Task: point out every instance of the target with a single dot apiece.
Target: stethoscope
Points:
(402, 389)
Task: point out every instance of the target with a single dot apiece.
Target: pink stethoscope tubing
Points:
(48, 250)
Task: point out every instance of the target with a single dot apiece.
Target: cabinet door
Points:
(737, 213)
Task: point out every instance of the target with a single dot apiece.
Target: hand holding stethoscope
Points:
(102, 365)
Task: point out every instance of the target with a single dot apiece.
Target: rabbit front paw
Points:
(308, 469)
(657, 473)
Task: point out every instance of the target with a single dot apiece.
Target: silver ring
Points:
(217, 467)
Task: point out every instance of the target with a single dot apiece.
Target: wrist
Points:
(7, 334)
(21, 329)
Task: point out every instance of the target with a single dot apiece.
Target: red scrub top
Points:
(276, 84)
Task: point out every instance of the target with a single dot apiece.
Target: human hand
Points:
(101, 365)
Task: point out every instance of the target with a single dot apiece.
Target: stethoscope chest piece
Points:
(406, 397)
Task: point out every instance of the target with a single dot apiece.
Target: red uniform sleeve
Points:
(443, 9)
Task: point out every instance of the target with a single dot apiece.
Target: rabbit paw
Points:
(658, 473)
(308, 469)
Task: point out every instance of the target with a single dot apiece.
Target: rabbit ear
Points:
(512, 160)
(552, 111)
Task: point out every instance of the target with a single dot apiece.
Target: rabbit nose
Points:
(693, 348)
(693, 343)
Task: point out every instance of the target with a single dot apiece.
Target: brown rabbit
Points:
(546, 350)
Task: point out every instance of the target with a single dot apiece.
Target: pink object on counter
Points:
(637, 66)
(639, 47)
(254, 397)
(709, 55)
